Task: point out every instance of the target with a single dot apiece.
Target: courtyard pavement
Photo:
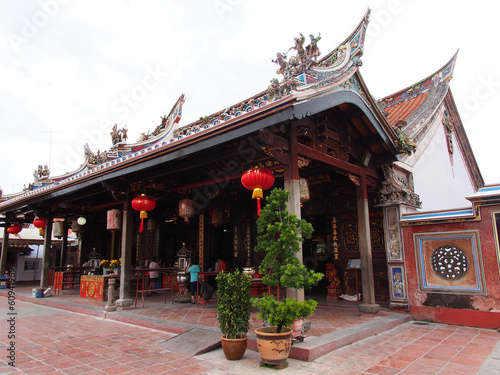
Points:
(70, 335)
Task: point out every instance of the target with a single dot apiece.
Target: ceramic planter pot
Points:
(274, 348)
(234, 348)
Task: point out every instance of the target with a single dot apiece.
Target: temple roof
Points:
(412, 107)
(305, 79)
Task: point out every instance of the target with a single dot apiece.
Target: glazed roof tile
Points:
(403, 110)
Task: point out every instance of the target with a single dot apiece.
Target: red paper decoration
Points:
(40, 223)
(143, 204)
(257, 179)
(14, 229)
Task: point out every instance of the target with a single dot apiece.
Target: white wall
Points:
(29, 275)
(439, 185)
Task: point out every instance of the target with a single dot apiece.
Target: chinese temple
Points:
(357, 168)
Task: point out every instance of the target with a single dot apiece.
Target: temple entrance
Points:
(333, 213)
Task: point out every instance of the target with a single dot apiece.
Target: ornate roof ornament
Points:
(397, 188)
(404, 143)
(304, 71)
(304, 58)
(118, 135)
(449, 127)
(42, 172)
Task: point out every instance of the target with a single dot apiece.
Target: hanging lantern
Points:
(81, 220)
(186, 209)
(304, 190)
(14, 229)
(40, 223)
(143, 204)
(216, 217)
(257, 179)
(75, 227)
(114, 219)
(58, 229)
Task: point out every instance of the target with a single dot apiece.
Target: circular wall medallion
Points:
(450, 262)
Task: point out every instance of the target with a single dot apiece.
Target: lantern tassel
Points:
(258, 206)
(141, 227)
(18, 236)
(257, 193)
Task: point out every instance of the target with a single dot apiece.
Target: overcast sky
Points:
(71, 69)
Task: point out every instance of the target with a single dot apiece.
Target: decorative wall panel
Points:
(449, 262)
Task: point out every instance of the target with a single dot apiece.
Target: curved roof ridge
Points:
(363, 24)
(445, 72)
(414, 104)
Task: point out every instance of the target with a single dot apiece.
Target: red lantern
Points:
(14, 229)
(257, 180)
(40, 223)
(143, 204)
(186, 209)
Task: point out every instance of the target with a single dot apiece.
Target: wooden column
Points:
(291, 183)
(64, 243)
(47, 243)
(201, 241)
(124, 301)
(365, 249)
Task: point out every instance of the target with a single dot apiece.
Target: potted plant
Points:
(279, 237)
(233, 312)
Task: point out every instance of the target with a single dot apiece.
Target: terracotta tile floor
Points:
(328, 317)
(55, 341)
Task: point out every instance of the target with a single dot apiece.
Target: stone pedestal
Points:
(123, 304)
(110, 306)
(369, 308)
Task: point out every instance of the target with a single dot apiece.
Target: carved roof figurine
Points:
(307, 72)
(312, 49)
(405, 144)
(41, 172)
(118, 135)
(281, 61)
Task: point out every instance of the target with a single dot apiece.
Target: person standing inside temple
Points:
(153, 274)
(193, 270)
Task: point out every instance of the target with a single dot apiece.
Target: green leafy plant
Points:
(283, 314)
(233, 306)
(279, 236)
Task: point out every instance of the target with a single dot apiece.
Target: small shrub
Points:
(233, 306)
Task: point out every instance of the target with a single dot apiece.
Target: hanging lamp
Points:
(143, 204)
(186, 209)
(257, 179)
(40, 223)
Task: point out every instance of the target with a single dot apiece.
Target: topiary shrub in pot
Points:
(233, 312)
(279, 236)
